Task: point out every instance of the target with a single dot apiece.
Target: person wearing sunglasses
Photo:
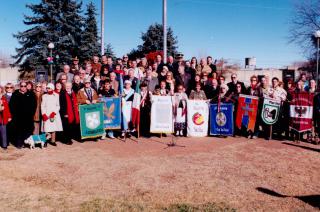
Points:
(234, 82)
(22, 107)
(9, 88)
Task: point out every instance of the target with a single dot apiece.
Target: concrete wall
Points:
(8, 75)
(244, 75)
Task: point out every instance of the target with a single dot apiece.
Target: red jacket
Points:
(5, 115)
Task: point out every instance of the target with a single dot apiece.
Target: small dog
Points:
(32, 142)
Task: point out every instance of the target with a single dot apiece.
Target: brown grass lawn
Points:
(207, 174)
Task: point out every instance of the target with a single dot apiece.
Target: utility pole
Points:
(164, 24)
(102, 27)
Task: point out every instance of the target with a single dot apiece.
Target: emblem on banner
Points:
(221, 119)
(198, 119)
(92, 120)
(270, 111)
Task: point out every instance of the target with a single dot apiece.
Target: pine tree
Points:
(153, 40)
(56, 21)
(34, 41)
(71, 30)
(90, 41)
(109, 51)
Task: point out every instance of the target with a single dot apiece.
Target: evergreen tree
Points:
(153, 40)
(56, 21)
(71, 30)
(109, 51)
(90, 44)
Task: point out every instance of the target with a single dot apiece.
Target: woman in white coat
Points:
(51, 120)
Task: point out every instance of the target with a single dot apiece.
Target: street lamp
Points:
(51, 46)
(317, 36)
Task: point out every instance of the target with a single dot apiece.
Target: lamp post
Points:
(164, 25)
(317, 36)
(102, 27)
(51, 46)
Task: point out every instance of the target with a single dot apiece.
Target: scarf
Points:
(72, 108)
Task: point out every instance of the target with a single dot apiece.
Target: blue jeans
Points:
(3, 136)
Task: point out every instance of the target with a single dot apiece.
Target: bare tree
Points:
(304, 23)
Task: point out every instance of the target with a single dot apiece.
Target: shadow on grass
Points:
(111, 205)
(313, 200)
(303, 147)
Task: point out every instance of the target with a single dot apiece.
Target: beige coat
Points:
(50, 104)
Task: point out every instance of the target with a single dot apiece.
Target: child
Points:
(180, 110)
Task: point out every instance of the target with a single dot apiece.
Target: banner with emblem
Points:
(111, 112)
(198, 118)
(221, 119)
(161, 114)
(301, 111)
(270, 111)
(247, 112)
(91, 120)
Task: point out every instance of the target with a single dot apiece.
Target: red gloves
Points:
(52, 115)
(45, 117)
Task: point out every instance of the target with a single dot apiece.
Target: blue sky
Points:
(230, 29)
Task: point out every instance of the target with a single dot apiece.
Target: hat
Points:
(51, 86)
(87, 80)
(127, 82)
(75, 58)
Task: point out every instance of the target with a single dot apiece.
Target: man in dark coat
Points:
(212, 90)
(22, 107)
(233, 84)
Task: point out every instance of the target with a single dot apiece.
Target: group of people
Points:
(53, 108)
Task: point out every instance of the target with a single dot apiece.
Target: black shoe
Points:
(53, 143)
(69, 143)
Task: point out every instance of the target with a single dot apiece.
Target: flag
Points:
(247, 112)
(221, 119)
(198, 118)
(121, 85)
(112, 112)
(135, 117)
(270, 110)
(161, 114)
(301, 111)
(91, 120)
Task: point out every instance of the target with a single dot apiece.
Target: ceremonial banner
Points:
(197, 116)
(247, 112)
(112, 112)
(91, 120)
(221, 119)
(270, 110)
(161, 114)
(301, 111)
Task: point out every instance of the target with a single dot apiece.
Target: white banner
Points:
(198, 118)
(161, 115)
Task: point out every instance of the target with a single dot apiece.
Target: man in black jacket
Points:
(23, 107)
(233, 84)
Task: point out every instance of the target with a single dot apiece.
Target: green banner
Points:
(91, 120)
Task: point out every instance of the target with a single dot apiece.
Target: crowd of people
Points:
(52, 108)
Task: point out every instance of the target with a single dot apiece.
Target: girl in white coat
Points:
(51, 120)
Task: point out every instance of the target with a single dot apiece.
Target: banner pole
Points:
(270, 136)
